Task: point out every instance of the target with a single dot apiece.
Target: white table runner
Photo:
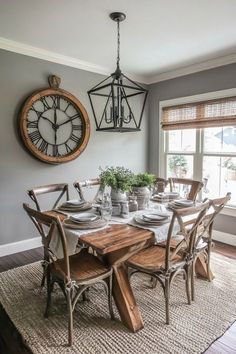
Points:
(72, 235)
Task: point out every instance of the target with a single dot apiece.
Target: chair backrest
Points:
(50, 226)
(189, 221)
(189, 187)
(216, 206)
(61, 188)
(160, 185)
(92, 185)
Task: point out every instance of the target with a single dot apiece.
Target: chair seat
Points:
(152, 259)
(83, 266)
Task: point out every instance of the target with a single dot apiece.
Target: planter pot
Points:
(143, 196)
(118, 196)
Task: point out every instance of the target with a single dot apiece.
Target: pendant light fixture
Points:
(118, 102)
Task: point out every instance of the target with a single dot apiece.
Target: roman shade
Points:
(214, 113)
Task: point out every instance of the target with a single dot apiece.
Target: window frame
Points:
(163, 138)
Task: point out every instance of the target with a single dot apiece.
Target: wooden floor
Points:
(12, 343)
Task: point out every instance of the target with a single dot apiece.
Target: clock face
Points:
(54, 126)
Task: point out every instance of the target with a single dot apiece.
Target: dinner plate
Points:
(74, 202)
(84, 217)
(141, 221)
(74, 208)
(154, 217)
(97, 224)
(184, 202)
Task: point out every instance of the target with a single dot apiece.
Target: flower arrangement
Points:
(118, 178)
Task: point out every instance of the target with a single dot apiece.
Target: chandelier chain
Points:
(118, 44)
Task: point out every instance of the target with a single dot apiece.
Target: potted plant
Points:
(141, 187)
(120, 180)
(178, 165)
(231, 169)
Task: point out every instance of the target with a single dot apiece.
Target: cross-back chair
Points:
(60, 188)
(164, 263)
(74, 274)
(94, 185)
(189, 187)
(204, 241)
(160, 185)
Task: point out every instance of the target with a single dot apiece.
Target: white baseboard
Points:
(224, 237)
(20, 246)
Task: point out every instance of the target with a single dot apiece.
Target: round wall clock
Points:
(54, 125)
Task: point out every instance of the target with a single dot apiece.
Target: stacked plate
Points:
(75, 205)
(84, 221)
(162, 197)
(181, 203)
(152, 219)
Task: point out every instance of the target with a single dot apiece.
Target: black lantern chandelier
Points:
(118, 102)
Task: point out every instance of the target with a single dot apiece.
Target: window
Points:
(204, 153)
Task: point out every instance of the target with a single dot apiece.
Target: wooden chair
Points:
(80, 186)
(160, 185)
(61, 188)
(203, 245)
(190, 187)
(74, 274)
(164, 264)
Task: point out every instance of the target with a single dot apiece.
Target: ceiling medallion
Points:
(118, 102)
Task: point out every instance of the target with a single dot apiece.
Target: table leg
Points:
(201, 268)
(124, 299)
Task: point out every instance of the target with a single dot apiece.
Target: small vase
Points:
(118, 196)
(143, 196)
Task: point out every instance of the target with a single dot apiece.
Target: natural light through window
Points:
(207, 154)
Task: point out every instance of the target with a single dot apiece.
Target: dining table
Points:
(115, 243)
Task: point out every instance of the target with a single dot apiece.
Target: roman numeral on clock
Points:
(55, 102)
(74, 138)
(76, 126)
(35, 136)
(43, 147)
(55, 151)
(33, 124)
(46, 106)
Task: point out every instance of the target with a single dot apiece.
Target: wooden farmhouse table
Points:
(116, 244)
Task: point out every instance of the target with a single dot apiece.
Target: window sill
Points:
(229, 211)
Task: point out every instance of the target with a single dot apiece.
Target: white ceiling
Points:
(158, 36)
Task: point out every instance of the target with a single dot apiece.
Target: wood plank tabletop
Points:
(115, 238)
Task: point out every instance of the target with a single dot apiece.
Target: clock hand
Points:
(55, 126)
(67, 121)
(47, 119)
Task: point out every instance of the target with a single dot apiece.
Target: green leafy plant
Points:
(144, 180)
(118, 178)
(230, 164)
(178, 164)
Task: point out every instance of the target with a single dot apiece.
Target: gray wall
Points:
(19, 77)
(205, 81)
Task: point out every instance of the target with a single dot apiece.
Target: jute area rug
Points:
(192, 328)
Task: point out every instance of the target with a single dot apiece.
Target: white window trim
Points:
(230, 211)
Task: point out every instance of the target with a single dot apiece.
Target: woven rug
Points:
(192, 328)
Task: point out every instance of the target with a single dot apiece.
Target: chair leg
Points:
(110, 297)
(167, 299)
(50, 285)
(70, 313)
(44, 266)
(153, 282)
(187, 272)
(192, 280)
(208, 262)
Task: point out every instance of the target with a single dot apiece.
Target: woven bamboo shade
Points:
(203, 114)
